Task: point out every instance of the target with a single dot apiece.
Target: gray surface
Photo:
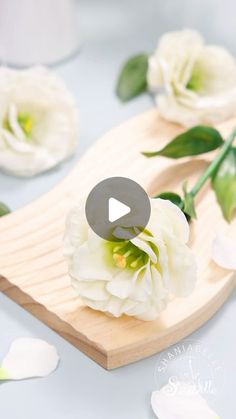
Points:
(80, 389)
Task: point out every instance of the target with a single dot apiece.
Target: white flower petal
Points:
(145, 246)
(174, 58)
(14, 143)
(142, 285)
(166, 210)
(122, 283)
(29, 357)
(182, 268)
(224, 251)
(218, 67)
(90, 265)
(76, 230)
(179, 400)
(14, 124)
(92, 290)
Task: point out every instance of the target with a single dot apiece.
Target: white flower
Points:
(199, 80)
(179, 400)
(27, 358)
(134, 277)
(224, 251)
(38, 121)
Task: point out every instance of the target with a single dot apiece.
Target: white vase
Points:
(37, 31)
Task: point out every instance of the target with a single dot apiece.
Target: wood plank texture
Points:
(34, 273)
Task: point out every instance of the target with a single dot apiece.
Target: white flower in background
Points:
(224, 251)
(199, 80)
(38, 121)
(28, 358)
(133, 277)
(179, 400)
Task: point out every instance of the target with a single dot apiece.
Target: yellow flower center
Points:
(26, 122)
(126, 255)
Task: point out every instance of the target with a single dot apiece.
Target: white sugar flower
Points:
(38, 121)
(199, 80)
(179, 400)
(28, 357)
(133, 277)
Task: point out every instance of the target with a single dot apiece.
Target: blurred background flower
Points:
(199, 80)
(192, 82)
(38, 121)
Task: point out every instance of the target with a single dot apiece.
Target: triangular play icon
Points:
(116, 209)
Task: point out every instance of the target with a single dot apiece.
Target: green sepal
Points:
(173, 197)
(189, 206)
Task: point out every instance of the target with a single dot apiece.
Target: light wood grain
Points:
(34, 273)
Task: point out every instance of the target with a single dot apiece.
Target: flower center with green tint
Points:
(126, 255)
(26, 122)
(196, 79)
(3, 374)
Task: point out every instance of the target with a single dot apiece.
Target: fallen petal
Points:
(224, 251)
(28, 358)
(179, 400)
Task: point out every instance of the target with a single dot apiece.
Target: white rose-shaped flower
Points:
(133, 277)
(38, 121)
(199, 80)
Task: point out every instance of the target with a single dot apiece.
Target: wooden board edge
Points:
(54, 322)
(127, 355)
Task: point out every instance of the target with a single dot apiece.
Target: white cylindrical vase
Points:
(37, 31)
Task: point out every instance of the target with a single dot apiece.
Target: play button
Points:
(117, 209)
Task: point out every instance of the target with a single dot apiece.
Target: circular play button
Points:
(117, 209)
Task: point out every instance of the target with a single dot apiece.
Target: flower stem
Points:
(215, 163)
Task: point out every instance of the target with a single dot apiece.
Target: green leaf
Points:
(132, 80)
(224, 184)
(173, 197)
(195, 141)
(3, 209)
(189, 206)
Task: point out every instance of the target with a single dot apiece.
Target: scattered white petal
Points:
(224, 251)
(28, 358)
(179, 400)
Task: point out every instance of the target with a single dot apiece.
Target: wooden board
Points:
(34, 273)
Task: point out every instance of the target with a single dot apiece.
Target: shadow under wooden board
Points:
(34, 273)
